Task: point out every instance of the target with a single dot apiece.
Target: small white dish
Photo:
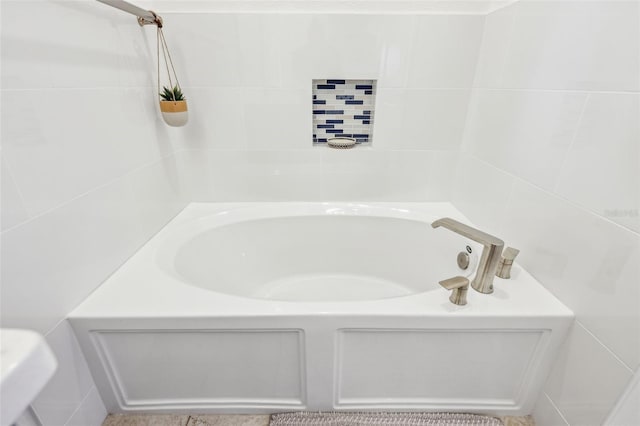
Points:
(341, 142)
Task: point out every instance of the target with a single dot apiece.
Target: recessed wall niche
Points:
(343, 108)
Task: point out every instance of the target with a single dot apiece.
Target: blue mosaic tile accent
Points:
(347, 109)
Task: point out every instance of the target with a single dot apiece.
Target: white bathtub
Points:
(249, 307)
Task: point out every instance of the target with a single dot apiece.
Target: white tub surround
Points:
(267, 307)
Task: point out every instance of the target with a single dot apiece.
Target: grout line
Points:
(617, 358)
(381, 12)
(4, 163)
(81, 404)
(294, 89)
(556, 408)
(500, 7)
(584, 91)
(507, 50)
(87, 88)
(558, 197)
(572, 143)
(99, 187)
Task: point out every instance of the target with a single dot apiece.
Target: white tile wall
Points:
(527, 133)
(602, 168)
(60, 144)
(481, 191)
(550, 162)
(317, 175)
(445, 51)
(587, 262)
(88, 174)
(13, 210)
(420, 118)
(564, 45)
(249, 76)
(586, 380)
(70, 384)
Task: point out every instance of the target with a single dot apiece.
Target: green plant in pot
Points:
(173, 106)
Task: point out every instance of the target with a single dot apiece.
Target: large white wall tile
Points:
(586, 379)
(494, 48)
(216, 119)
(420, 119)
(317, 174)
(159, 195)
(589, 263)
(71, 382)
(602, 169)
(482, 192)
(205, 48)
(71, 44)
(217, 175)
(374, 175)
(278, 119)
(13, 210)
(60, 144)
(51, 263)
(526, 133)
(577, 45)
(445, 50)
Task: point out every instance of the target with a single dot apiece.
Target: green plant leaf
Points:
(172, 94)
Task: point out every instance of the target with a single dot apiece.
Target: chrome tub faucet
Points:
(491, 253)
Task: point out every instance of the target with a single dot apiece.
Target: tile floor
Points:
(230, 420)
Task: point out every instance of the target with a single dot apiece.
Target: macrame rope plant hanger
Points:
(173, 105)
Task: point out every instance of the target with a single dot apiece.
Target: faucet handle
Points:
(460, 286)
(504, 266)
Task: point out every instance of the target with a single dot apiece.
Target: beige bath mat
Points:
(381, 419)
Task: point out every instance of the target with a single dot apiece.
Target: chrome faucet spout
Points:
(491, 253)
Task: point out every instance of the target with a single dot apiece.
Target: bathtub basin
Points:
(268, 307)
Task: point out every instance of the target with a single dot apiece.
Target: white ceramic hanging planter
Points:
(174, 113)
(173, 105)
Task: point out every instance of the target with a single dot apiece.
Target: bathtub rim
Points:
(137, 291)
